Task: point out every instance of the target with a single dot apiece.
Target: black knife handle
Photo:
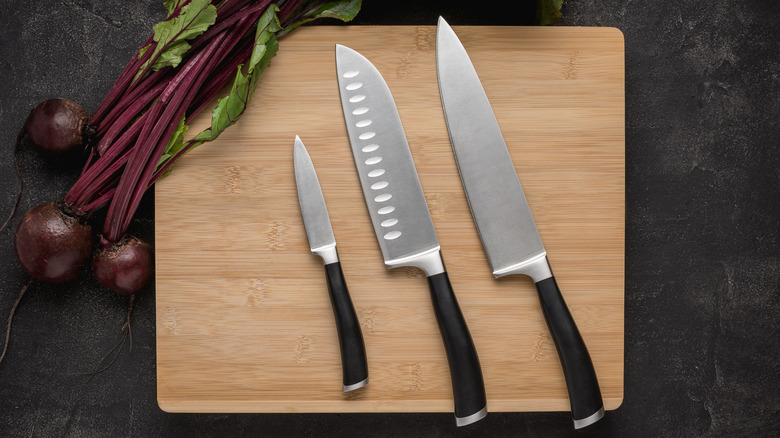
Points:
(353, 351)
(468, 386)
(587, 406)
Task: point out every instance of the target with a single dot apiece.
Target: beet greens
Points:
(172, 80)
(139, 131)
(192, 56)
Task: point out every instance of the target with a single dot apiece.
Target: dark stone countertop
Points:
(702, 355)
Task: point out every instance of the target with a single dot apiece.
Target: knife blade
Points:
(399, 213)
(323, 243)
(502, 215)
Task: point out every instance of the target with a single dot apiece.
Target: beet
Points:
(58, 127)
(51, 245)
(124, 267)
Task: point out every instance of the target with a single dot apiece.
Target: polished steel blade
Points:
(498, 205)
(313, 209)
(392, 190)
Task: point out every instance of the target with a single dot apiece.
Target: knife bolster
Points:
(328, 253)
(429, 261)
(537, 267)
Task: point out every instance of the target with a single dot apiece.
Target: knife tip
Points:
(443, 30)
(443, 23)
(298, 147)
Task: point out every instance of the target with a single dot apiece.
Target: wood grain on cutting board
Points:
(244, 322)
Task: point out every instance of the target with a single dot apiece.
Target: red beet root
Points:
(58, 127)
(51, 245)
(123, 267)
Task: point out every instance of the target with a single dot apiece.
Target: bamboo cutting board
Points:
(244, 322)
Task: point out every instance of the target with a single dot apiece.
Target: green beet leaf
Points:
(171, 35)
(230, 108)
(341, 10)
(171, 5)
(175, 144)
(548, 11)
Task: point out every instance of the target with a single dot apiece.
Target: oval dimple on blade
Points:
(391, 187)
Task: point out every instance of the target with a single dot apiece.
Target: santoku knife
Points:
(502, 216)
(323, 243)
(400, 216)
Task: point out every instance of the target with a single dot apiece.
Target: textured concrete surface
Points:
(702, 220)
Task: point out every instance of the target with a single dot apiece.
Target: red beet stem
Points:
(100, 202)
(221, 77)
(224, 23)
(126, 80)
(129, 102)
(84, 188)
(209, 66)
(191, 78)
(131, 113)
(109, 177)
(123, 81)
(229, 7)
(147, 151)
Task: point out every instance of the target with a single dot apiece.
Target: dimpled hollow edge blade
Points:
(391, 187)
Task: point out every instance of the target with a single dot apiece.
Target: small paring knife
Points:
(323, 243)
(503, 217)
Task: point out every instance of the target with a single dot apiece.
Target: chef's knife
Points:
(400, 216)
(323, 243)
(503, 218)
